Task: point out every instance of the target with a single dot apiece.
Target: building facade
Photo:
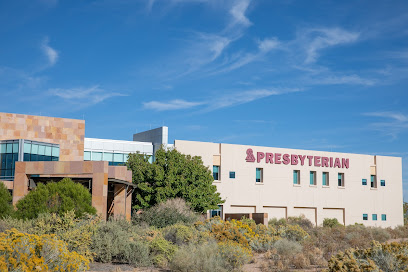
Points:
(283, 182)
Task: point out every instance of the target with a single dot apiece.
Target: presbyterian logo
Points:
(250, 155)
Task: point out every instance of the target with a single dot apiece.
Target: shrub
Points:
(277, 222)
(6, 208)
(180, 234)
(331, 222)
(201, 258)
(167, 213)
(287, 248)
(301, 221)
(292, 232)
(116, 241)
(234, 254)
(56, 197)
(379, 257)
(161, 251)
(28, 252)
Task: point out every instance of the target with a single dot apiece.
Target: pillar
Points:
(20, 187)
(100, 188)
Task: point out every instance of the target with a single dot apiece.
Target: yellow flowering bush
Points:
(234, 254)
(379, 257)
(29, 252)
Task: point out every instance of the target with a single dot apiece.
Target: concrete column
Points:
(119, 201)
(100, 188)
(20, 188)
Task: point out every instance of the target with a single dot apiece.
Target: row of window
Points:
(112, 158)
(373, 181)
(374, 217)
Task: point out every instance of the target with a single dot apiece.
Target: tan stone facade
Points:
(69, 134)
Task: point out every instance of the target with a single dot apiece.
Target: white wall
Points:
(278, 190)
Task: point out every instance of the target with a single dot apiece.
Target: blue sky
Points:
(324, 75)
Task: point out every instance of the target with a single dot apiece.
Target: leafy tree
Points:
(172, 175)
(6, 208)
(56, 197)
(405, 207)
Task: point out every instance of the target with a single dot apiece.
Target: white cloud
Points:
(50, 53)
(317, 39)
(176, 104)
(81, 95)
(224, 101)
(398, 123)
(346, 79)
(388, 114)
(238, 10)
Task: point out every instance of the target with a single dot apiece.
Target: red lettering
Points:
(259, 156)
(269, 158)
(345, 163)
(278, 158)
(294, 159)
(310, 158)
(337, 163)
(302, 159)
(286, 159)
(317, 161)
(325, 162)
(331, 162)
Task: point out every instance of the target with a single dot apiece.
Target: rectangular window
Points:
(325, 178)
(259, 175)
(216, 170)
(374, 217)
(217, 212)
(232, 175)
(312, 177)
(340, 180)
(118, 157)
(55, 151)
(87, 155)
(373, 181)
(384, 217)
(364, 181)
(382, 182)
(296, 177)
(96, 156)
(365, 216)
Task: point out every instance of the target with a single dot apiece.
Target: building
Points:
(40, 149)
(278, 182)
(284, 182)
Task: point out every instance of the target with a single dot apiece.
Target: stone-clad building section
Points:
(69, 134)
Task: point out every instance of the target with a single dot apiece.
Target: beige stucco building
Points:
(284, 182)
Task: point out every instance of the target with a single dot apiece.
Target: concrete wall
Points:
(67, 133)
(278, 196)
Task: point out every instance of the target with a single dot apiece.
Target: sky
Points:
(321, 75)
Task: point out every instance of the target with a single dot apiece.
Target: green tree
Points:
(172, 175)
(6, 208)
(56, 197)
(405, 207)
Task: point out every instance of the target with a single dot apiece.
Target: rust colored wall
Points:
(68, 133)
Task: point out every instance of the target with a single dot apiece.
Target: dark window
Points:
(382, 182)
(364, 181)
(216, 170)
(232, 175)
(365, 216)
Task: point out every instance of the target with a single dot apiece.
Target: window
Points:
(340, 180)
(373, 181)
(8, 156)
(87, 155)
(216, 170)
(312, 177)
(374, 217)
(232, 174)
(259, 175)
(384, 217)
(364, 181)
(296, 177)
(217, 212)
(365, 216)
(325, 179)
(382, 182)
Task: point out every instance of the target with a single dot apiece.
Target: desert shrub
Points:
(29, 252)
(275, 222)
(6, 208)
(116, 241)
(234, 254)
(19, 224)
(379, 257)
(301, 221)
(398, 232)
(292, 232)
(300, 261)
(198, 257)
(161, 251)
(180, 234)
(331, 222)
(284, 255)
(288, 248)
(56, 197)
(167, 213)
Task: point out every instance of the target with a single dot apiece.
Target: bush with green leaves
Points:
(118, 241)
(6, 208)
(180, 234)
(331, 222)
(167, 213)
(56, 197)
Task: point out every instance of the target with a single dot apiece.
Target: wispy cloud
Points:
(238, 11)
(224, 101)
(50, 53)
(397, 123)
(316, 39)
(82, 95)
(176, 104)
(331, 79)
